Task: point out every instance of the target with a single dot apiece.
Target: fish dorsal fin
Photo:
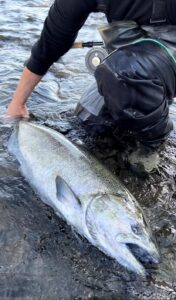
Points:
(65, 194)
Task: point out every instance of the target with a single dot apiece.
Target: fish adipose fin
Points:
(65, 193)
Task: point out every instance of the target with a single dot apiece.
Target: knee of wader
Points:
(122, 61)
(127, 84)
(111, 83)
(107, 73)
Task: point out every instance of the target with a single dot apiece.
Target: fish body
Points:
(83, 192)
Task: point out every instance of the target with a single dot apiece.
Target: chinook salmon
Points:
(83, 192)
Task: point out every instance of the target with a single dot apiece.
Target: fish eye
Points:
(136, 229)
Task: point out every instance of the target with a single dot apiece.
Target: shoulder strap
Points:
(102, 6)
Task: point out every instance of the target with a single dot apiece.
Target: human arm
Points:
(60, 29)
(26, 84)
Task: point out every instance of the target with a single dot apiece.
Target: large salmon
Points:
(82, 191)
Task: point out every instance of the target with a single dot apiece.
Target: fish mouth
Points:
(133, 257)
(143, 254)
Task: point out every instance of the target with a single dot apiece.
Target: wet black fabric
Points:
(171, 11)
(66, 17)
(137, 82)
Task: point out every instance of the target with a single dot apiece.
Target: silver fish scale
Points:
(90, 178)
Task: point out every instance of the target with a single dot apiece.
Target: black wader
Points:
(135, 83)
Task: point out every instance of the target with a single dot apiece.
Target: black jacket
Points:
(66, 17)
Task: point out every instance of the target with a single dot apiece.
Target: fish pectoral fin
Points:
(65, 193)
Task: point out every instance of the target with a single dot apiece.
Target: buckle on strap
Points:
(158, 12)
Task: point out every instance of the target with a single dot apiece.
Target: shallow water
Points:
(41, 258)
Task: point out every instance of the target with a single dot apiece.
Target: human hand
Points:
(15, 111)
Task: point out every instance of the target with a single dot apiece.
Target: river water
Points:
(41, 257)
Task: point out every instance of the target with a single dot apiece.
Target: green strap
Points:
(157, 42)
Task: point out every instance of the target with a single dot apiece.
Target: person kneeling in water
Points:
(136, 82)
